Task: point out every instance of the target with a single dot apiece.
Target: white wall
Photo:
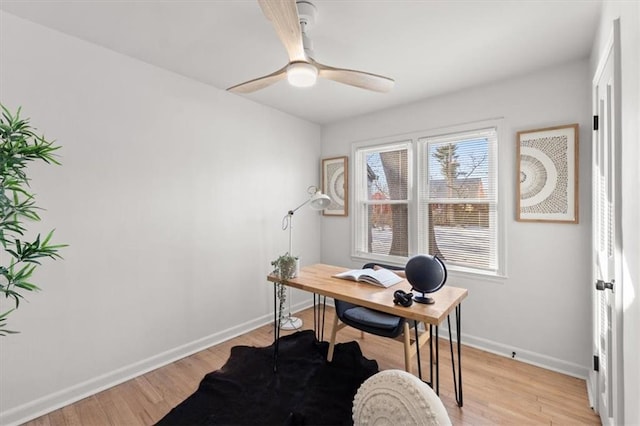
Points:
(171, 196)
(629, 14)
(542, 310)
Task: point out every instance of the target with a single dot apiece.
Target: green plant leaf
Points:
(27, 286)
(3, 322)
(19, 146)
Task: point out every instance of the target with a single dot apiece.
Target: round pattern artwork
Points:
(533, 176)
(538, 176)
(336, 186)
(543, 176)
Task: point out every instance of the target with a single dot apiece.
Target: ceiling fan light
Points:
(302, 74)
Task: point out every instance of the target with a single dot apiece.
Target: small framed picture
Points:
(547, 187)
(335, 183)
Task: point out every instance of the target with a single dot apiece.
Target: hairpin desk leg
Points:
(431, 355)
(457, 379)
(415, 327)
(315, 314)
(437, 388)
(319, 312)
(276, 328)
(435, 384)
(324, 311)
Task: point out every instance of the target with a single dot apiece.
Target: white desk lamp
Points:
(317, 201)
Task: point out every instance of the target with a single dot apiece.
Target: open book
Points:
(381, 277)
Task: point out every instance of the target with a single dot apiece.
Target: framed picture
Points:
(335, 183)
(547, 187)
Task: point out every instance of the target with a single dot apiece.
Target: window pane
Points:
(460, 215)
(387, 229)
(387, 175)
(461, 234)
(459, 169)
(458, 198)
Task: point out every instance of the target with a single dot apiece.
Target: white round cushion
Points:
(395, 397)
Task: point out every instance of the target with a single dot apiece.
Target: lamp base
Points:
(290, 323)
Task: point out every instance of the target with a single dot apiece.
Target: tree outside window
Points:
(458, 204)
(387, 198)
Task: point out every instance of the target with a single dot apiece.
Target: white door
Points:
(606, 238)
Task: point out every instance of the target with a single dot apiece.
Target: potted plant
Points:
(19, 145)
(285, 267)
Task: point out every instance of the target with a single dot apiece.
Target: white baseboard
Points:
(64, 397)
(529, 357)
(41, 406)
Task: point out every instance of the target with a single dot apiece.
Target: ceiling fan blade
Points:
(364, 80)
(283, 14)
(260, 82)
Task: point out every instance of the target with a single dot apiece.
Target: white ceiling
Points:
(428, 47)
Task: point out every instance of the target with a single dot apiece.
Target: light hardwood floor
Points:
(497, 390)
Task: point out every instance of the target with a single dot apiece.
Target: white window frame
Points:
(360, 209)
(414, 156)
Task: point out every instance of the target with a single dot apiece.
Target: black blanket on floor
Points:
(305, 390)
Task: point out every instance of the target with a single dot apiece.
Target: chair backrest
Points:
(342, 306)
(371, 265)
(395, 397)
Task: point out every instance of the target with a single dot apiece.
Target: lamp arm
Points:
(291, 212)
(288, 218)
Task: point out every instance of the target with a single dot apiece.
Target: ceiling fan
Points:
(291, 23)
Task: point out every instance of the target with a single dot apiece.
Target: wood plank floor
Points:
(497, 390)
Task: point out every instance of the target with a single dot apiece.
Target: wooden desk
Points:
(318, 279)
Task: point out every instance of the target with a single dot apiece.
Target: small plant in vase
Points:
(284, 268)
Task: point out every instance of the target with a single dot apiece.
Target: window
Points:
(448, 207)
(383, 179)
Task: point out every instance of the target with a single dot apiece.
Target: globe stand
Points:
(424, 299)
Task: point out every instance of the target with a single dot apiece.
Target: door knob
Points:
(603, 285)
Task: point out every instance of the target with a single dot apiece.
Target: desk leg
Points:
(430, 355)
(324, 311)
(434, 341)
(457, 381)
(319, 316)
(276, 328)
(415, 327)
(437, 388)
(315, 314)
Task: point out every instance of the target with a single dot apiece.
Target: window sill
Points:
(453, 271)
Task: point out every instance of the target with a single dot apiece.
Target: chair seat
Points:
(378, 323)
(372, 318)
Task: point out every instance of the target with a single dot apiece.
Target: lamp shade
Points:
(319, 201)
(426, 274)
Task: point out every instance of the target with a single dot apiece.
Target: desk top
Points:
(319, 279)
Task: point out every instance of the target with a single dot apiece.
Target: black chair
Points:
(378, 323)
